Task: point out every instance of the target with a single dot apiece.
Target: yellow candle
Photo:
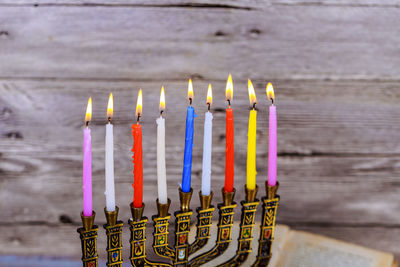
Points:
(251, 151)
(251, 140)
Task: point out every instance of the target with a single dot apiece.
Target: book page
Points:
(301, 249)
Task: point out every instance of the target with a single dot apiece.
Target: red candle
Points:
(137, 157)
(229, 146)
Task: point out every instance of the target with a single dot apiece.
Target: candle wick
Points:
(87, 124)
(190, 101)
(161, 112)
(254, 105)
(229, 103)
(138, 118)
(272, 101)
(209, 106)
(109, 120)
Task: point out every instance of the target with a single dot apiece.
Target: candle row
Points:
(187, 163)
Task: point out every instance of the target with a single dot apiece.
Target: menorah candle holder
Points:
(178, 255)
(114, 238)
(138, 239)
(225, 223)
(267, 227)
(88, 235)
(249, 208)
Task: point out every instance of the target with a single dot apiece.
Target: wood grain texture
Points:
(202, 3)
(335, 68)
(338, 149)
(151, 42)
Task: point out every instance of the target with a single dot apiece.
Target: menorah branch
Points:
(226, 211)
(114, 238)
(88, 235)
(179, 254)
(138, 240)
(267, 228)
(249, 207)
(161, 223)
(204, 222)
(182, 228)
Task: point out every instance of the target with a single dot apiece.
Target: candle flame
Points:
(88, 115)
(110, 106)
(162, 99)
(270, 92)
(252, 93)
(139, 104)
(190, 90)
(229, 89)
(209, 95)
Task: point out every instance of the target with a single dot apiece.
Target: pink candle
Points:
(87, 163)
(272, 154)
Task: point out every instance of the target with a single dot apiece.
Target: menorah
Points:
(179, 254)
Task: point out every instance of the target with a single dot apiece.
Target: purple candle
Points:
(272, 154)
(87, 163)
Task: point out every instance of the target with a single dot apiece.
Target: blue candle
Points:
(187, 160)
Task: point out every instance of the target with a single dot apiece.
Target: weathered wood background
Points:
(335, 65)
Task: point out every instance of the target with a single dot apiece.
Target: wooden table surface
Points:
(335, 66)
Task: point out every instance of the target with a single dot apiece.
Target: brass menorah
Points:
(179, 254)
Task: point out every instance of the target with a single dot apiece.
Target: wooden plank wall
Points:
(335, 65)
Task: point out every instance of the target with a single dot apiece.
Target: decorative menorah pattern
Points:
(88, 235)
(178, 254)
(114, 240)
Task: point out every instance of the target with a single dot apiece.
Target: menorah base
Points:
(183, 253)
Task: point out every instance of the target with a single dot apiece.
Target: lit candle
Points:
(110, 191)
(207, 144)
(87, 163)
(137, 156)
(161, 169)
(187, 160)
(251, 140)
(272, 137)
(229, 141)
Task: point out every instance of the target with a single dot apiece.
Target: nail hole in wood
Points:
(219, 33)
(255, 32)
(4, 34)
(197, 76)
(65, 219)
(14, 135)
(6, 111)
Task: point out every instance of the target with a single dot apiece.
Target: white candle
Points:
(110, 191)
(161, 168)
(207, 144)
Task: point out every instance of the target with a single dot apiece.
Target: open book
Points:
(293, 248)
